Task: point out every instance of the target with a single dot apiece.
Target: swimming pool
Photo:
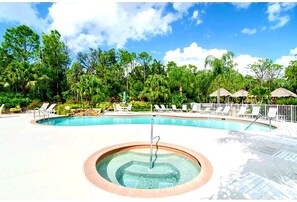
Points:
(224, 124)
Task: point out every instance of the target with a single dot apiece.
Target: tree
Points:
(156, 89)
(291, 76)
(21, 43)
(220, 67)
(55, 57)
(144, 60)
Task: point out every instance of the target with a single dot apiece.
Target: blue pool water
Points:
(202, 123)
(132, 169)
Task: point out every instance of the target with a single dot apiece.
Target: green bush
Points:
(11, 100)
(286, 101)
(140, 106)
(61, 109)
(34, 104)
(16, 109)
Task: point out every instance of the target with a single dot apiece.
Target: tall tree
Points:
(220, 67)
(54, 55)
(291, 76)
(144, 60)
(22, 43)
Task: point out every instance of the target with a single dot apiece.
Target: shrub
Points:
(16, 109)
(140, 106)
(34, 104)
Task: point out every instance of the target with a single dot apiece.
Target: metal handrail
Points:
(257, 117)
(151, 143)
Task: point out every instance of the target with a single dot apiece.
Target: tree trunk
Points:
(218, 97)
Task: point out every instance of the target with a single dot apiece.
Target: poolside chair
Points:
(242, 111)
(272, 112)
(118, 108)
(194, 108)
(175, 109)
(218, 110)
(41, 109)
(129, 108)
(1, 108)
(157, 108)
(184, 108)
(226, 110)
(255, 112)
(206, 110)
(49, 110)
(163, 108)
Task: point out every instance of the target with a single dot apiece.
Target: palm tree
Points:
(220, 67)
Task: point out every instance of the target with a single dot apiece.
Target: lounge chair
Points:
(129, 108)
(242, 111)
(255, 112)
(226, 110)
(49, 110)
(218, 110)
(41, 109)
(272, 112)
(118, 108)
(194, 108)
(157, 108)
(163, 108)
(205, 111)
(184, 108)
(175, 109)
(1, 108)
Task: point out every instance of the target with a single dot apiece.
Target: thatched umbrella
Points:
(223, 92)
(240, 93)
(282, 92)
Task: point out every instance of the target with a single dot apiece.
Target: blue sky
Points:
(182, 32)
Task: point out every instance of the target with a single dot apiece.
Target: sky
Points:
(182, 32)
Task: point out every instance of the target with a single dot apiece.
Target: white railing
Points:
(286, 113)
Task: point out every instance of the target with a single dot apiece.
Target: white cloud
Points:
(286, 59)
(193, 54)
(112, 23)
(21, 13)
(249, 31)
(244, 5)
(182, 7)
(195, 17)
(243, 61)
(276, 13)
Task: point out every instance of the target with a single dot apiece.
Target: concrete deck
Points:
(46, 162)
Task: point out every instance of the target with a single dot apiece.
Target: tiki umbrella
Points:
(241, 93)
(282, 92)
(223, 93)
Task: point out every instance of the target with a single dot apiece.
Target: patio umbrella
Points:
(223, 93)
(124, 97)
(240, 93)
(282, 92)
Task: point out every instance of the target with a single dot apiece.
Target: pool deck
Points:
(40, 162)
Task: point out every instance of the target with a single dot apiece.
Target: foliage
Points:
(286, 101)
(12, 100)
(34, 104)
(140, 106)
(62, 109)
(16, 109)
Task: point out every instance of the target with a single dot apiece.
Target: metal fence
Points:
(284, 112)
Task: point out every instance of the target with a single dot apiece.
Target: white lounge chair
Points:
(272, 112)
(206, 110)
(226, 110)
(157, 108)
(175, 109)
(129, 108)
(218, 110)
(184, 108)
(1, 108)
(118, 108)
(255, 112)
(194, 108)
(163, 108)
(242, 111)
(41, 109)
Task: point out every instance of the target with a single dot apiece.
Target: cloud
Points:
(193, 54)
(112, 23)
(195, 17)
(21, 13)
(243, 61)
(276, 14)
(249, 31)
(244, 5)
(286, 59)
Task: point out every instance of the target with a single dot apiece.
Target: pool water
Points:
(202, 123)
(132, 169)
